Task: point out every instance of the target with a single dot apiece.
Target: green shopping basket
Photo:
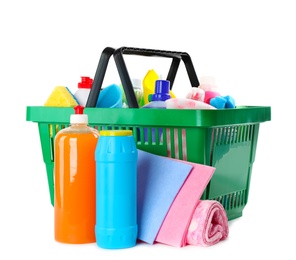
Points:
(224, 138)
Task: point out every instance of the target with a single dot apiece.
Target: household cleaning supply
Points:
(149, 85)
(61, 97)
(110, 97)
(158, 98)
(196, 93)
(75, 178)
(116, 189)
(223, 102)
(160, 95)
(212, 96)
(83, 90)
(138, 89)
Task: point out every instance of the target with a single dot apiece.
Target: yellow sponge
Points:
(61, 97)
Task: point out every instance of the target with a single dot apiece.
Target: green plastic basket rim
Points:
(153, 117)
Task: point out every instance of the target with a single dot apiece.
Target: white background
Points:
(248, 46)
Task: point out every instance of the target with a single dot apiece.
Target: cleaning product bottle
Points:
(83, 90)
(116, 189)
(158, 100)
(110, 97)
(149, 85)
(75, 181)
(138, 89)
(161, 94)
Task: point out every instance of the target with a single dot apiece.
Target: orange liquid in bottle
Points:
(75, 185)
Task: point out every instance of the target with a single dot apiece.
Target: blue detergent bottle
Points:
(116, 190)
(161, 94)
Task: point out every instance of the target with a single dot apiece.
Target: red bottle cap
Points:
(78, 110)
(86, 82)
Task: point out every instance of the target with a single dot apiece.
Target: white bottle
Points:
(83, 90)
(138, 89)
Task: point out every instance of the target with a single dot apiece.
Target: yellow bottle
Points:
(149, 85)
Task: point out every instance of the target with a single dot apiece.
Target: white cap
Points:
(78, 117)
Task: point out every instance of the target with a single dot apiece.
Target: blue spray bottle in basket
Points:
(116, 190)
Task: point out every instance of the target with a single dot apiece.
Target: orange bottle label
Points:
(75, 188)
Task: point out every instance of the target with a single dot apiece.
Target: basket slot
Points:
(233, 200)
(245, 133)
(183, 146)
(232, 134)
(176, 143)
(148, 135)
(173, 140)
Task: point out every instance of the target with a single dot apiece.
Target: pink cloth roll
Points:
(209, 224)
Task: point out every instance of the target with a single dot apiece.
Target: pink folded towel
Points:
(209, 224)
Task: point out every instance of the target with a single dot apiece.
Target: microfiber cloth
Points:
(173, 230)
(159, 180)
(209, 224)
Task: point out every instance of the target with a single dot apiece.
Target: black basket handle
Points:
(99, 77)
(124, 75)
(176, 57)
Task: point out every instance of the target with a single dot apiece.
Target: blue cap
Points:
(162, 90)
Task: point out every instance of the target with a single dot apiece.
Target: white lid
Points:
(78, 117)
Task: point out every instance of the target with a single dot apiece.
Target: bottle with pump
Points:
(75, 181)
(83, 90)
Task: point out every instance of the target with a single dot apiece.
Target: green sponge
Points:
(61, 97)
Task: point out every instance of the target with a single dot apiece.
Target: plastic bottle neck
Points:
(162, 90)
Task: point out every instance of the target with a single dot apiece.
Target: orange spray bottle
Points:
(75, 185)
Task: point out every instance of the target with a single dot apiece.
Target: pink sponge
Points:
(209, 95)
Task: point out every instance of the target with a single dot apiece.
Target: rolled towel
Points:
(209, 224)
